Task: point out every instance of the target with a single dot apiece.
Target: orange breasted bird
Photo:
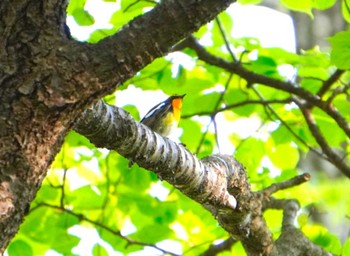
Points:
(164, 117)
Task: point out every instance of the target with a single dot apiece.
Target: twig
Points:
(62, 187)
(112, 231)
(227, 44)
(347, 6)
(203, 137)
(338, 91)
(215, 249)
(216, 135)
(65, 169)
(295, 181)
(287, 126)
(326, 149)
(213, 113)
(136, 2)
(330, 81)
(108, 186)
(239, 104)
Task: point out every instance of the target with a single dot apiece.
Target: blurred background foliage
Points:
(91, 203)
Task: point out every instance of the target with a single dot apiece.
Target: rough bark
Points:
(215, 181)
(219, 183)
(46, 80)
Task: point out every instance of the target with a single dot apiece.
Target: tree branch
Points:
(221, 247)
(330, 81)
(239, 104)
(217, 182)
(104, 227)
(292, 241)
(97, 71)
(326, 149)
(286, 184)
(252, 78)
(167, 159)
(302, 141)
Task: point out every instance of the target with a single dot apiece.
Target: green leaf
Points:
(265, 66)
(327, 126)
(137, 178)
(66, 242)
(342, 104)
(248, 148)
(299, 5)
(74, 139)
(153, 233)
(324, 4)
(273, 220)
(206, 102)
(249, 1)
(278, 153)
(340, 53)
(281, 135)
(116, 242)
(346, 247)
(322, 237)
(85, 198)
(120, 18)
(313, 72)
(191, 133)
(99, 250)
(311, 84)
(19, 247)
(75, 5)
(49, 194)
(83, 18)
(345, 8)
(330, 242)
(135, 6)
(100, 34)
(133, 111)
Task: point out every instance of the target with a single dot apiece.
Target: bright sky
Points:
(272, 28)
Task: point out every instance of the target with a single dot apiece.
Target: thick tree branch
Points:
(98, 71)
(216, 182)
(167, 159)
(292, 241)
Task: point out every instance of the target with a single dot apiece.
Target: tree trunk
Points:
(46, 80)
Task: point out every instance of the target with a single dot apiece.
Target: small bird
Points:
(164, 117)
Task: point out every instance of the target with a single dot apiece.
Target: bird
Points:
(164, 117)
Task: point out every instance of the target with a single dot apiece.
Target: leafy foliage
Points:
(93, 189)
(340, 49)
